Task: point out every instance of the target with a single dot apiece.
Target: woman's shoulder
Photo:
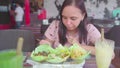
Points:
(91, 27)
(55, 23)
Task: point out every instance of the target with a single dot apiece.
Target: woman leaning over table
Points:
(72, 27)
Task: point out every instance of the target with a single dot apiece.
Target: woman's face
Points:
(71, 17)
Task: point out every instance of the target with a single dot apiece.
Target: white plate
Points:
(67, 65)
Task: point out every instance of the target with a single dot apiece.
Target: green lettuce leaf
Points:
(38, 58)
(52, 58)
(59, 55)
(78, 53)
(62, 51)
(41, 52)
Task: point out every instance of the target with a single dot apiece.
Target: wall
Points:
(97, 9)
(51, 8)
(100, 9)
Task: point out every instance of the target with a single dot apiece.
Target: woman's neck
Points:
(72, 32)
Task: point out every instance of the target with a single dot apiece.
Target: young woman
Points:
(72, 27)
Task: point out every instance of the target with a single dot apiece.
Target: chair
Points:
(9, 38)
(114, 34)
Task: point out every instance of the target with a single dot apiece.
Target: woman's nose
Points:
(68, 21)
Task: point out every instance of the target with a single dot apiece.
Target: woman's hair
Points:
(82, 26)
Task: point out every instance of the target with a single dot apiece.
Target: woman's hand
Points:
(73, 40)
(45, 41)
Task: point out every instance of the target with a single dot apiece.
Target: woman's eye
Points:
(64, 17)
(73, 18)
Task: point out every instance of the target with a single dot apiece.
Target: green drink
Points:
(9, 59)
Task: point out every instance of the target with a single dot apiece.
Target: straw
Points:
(19, 45)
(102, 34)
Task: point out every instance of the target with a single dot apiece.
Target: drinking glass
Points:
(9, 59)
(104, 52)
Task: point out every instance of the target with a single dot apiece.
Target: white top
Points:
(19, 14)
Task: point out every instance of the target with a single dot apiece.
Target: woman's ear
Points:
(83, 15)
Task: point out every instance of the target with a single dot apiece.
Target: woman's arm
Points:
(92, 49)
(46, 41)
(93, 35)
(89, 48)
(50, 34)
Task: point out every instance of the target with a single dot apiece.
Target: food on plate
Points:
(60, 54)
(52, 58)
(41, 52)
(62, 51)
(78, 53)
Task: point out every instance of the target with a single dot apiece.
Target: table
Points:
(90, 63)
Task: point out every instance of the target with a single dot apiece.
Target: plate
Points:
(62, 65)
